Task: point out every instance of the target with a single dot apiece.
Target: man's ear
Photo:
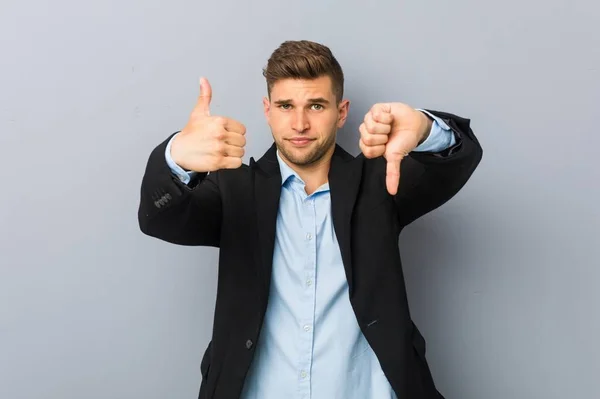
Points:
(266, 107)
(343, 109)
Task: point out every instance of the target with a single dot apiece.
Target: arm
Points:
(431, 178)
(185, 207)
(440, 137)
(169, 209)
(185, 176)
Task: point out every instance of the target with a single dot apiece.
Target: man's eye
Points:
(317, 107)
(285, 106)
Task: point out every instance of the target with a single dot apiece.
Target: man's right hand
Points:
(208, 143)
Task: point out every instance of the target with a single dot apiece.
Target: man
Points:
(311, 301)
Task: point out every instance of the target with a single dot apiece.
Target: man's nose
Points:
(300, 123)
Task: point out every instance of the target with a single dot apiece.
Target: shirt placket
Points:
(306, 319)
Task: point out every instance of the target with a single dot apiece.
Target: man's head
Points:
(304, 107)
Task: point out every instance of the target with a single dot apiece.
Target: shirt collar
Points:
(288, 174)
(286, 171)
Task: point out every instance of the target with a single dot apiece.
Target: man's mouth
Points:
(300, 141)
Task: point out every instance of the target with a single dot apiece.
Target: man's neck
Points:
(315, 174)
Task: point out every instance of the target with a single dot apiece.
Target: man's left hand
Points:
(392, 130)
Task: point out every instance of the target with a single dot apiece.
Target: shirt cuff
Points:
(182, 175)
(441, 136)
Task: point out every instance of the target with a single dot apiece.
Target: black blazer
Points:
(236, 210)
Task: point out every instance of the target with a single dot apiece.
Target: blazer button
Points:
(249, 344)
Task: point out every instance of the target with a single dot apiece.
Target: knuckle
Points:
(363, 130)
(219, 120)
(220, 147)
(370, 140)
(219, 135)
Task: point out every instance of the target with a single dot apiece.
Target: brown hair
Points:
(304, 60)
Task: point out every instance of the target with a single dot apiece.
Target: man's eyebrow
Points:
(318, 100)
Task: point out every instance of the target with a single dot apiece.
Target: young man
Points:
(311, 301)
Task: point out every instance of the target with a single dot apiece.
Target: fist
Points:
(208, 143)
(392, 130)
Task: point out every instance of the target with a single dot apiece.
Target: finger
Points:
(233, 151)
(372, 139)
(203, 105)
(382, 113)
(374, 127)
(382, 109)
(382, 117)
(234, 126)
(371, 151)
(230, 163)
(392, 175)
(235, 139)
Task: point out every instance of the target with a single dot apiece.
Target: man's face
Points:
(304, 118)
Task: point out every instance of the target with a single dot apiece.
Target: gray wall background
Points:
(503, 280)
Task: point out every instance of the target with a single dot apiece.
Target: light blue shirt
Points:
(310, 345)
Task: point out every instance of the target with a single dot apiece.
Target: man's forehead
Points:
(302, 89)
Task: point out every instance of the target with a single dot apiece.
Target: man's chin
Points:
(299, 156)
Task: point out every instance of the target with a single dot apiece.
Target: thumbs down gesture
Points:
(392, 130)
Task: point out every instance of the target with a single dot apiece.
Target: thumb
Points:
(204, 97)
(395, 150)
(392, 173)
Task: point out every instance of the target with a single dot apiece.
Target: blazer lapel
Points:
(266, 183)
(344, 182)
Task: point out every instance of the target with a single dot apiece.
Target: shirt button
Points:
(303, 374)
(308, 236)
(249, 344)
(309, 282)
(307, 328)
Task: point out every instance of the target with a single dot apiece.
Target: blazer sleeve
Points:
(428, 180)
(179, 213)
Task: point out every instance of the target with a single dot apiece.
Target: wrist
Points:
(426, 125)
(175, 152)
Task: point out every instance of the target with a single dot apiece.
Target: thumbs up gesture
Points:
(392, 130)
(208, 143)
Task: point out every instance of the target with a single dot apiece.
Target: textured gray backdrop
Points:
(503, 280)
